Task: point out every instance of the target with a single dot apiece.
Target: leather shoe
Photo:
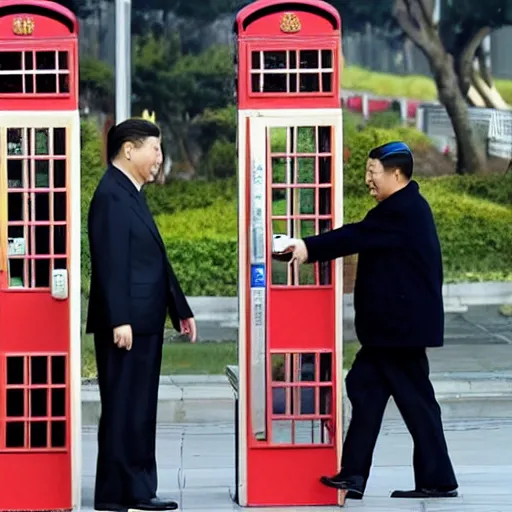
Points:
(154, 504)
(425, 494)
(354, 487)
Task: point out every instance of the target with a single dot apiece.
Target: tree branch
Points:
(467, 54)
(409, 24)
(485, 72)
(427, 8)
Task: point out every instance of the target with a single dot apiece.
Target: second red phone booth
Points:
(289, 414)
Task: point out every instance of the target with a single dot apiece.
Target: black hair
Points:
(131, 130)
(394, 155)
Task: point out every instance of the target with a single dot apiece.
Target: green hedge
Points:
(474, 233)
(359, 144)
(198, 220)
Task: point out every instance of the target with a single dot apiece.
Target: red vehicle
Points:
(39, 257)
(290, 155)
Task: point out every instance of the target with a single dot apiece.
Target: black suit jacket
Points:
(132, 281)
(398, 297)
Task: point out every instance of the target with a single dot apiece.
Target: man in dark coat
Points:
(399, 313)
(133, 286)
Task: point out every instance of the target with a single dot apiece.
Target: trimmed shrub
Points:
(361, 142)
(198, 220)
(474, 233)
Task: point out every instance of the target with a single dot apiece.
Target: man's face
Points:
(380, 183)
(147, 158)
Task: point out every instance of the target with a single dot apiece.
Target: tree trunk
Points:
(470, 157)
(416, 19)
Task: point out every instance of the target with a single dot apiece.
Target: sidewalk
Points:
(196, 467)
(472, 375)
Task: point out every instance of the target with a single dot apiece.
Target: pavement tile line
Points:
(181, 470)
(498, 336)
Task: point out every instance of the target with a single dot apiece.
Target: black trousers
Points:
(128, 380)
(403, 373)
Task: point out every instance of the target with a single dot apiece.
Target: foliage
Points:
(198, 220)
(220, 161)
(360, 143)
(461, 20)
(387, 119)
(92, 168)
(205, 266)
(474, 234)
(96, 85)
(217, 124)
(179, 195)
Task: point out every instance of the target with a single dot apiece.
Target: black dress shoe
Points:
(425, 494)
(353, 486)
(155, 504)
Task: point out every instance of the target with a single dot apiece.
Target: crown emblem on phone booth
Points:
(290, 22)
(23, 26)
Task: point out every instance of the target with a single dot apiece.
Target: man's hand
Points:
(295, 250)
(300, 252)
(123, 337)
(188, 327)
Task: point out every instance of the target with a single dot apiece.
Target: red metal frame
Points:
(55, 29)
(258, 29)
(293, 468)
(35, 344)
(284, 468)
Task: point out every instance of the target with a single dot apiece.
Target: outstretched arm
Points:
(371, 233)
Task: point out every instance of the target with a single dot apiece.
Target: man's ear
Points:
(128, 148)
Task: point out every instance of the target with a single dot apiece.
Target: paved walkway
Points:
(196, 467)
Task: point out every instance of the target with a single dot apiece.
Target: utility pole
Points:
(123, 60)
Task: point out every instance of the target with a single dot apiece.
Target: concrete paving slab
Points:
(196, 467)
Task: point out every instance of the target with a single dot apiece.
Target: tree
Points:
(464, 25)
(180, 87)
(416, 19)
(96, 85)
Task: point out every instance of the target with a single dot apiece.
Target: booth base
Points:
(233, 377)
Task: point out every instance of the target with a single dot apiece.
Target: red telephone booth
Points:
(290, 154)
(39, 257)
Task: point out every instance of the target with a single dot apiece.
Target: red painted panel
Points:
(311, 24)
(33, 485)
(43, 102)
(301, 322)
(301, 318)
(287, 100)
(33, 321)
(253, 9)
(44, 28)
(288, 477)
(35, 393)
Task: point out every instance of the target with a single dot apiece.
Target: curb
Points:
(457, 299)
(210, 399)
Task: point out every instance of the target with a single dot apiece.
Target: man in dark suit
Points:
(133, 286)
(399, 311)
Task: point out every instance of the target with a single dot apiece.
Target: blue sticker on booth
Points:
(258, 276)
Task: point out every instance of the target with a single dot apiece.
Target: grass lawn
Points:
(205, 358)
(411, 86)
